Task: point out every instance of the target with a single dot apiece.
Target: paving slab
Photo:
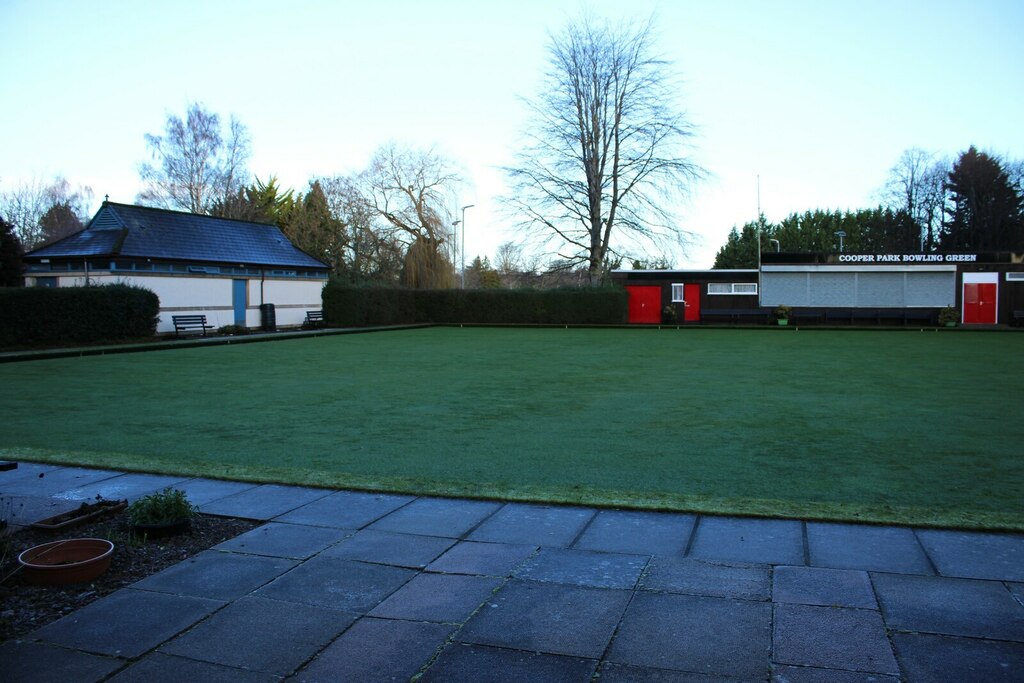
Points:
(833, 637)
(824, 587)
(203, 491)
(24, 662)
(542, 525)
(263, 502)
(490, 559)
(544, 617)
(338, 584)
(450, 598)
(715, 636)
(973, 555)
(637, 533)
(584, 568)
(216, 575)
(941, 659)
(346, 509)
(1018, 591)
(25, 470)
(127, 623)
(620, 673)
(959, 607)
(437, 517)
(869, 548)
(294, 541)
(385, 547)
(807, 674)
(464, 663)
(697, 577)
(160, 668)
(55, 481)
(758, 541)
(129, 487)
(262, 635)
(377, 650)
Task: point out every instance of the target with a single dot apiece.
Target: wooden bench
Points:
(1018, 318)
(921, 316)
(190, 322)
(314, 319)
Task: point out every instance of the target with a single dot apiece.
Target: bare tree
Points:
(509, 258)
(916, 184)
(41, 211)
(607, 158)
(411, 191)
(195, 167)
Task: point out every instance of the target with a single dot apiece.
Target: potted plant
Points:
(669, 315)
(782, 314)
(949, 316)
(160, 514)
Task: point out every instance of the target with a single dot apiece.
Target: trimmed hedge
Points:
(347, 306)
(37, 316)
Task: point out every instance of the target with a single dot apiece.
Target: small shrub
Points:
(949, 315)
(669, 315)
(783, 313)
(165, 507)
(233, 329)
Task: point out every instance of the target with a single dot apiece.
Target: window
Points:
(1018, 277)
(732, 288)
(677, 293)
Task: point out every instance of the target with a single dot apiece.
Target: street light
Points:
(776, 243)
(840, 234)
(455, 243)
(463, 250)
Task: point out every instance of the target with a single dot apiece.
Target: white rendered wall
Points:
(211, 296)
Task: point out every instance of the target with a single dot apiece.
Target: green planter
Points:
(783, 321)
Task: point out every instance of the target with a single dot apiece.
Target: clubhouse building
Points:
(838, 289)
(233, 272)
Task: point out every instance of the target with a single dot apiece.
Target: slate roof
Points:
(129, 231)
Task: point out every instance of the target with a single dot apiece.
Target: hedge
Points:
(347, 306)
(37, 316)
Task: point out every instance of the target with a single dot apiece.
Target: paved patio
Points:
(342, 585)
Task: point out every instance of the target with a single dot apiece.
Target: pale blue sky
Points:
(818, 98)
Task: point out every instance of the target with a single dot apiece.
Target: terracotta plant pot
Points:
(71, 561)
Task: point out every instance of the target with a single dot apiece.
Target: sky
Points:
(797, 105)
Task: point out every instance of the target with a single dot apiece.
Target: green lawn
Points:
(907, 427)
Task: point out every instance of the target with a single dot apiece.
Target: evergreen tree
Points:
(985, 209)
(11, 267)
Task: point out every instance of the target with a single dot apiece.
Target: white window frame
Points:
(732, 288)
(678, 292)
(1014, 276)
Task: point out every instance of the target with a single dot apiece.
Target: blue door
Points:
(238, 300)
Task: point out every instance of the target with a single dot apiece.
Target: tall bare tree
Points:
(195, 167)
(607, 158)
(916, 184)
(411, 191)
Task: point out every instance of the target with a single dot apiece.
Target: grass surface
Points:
(905, 427)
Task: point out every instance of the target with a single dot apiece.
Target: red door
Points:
(644, 303)
(691, 294)
(979, 303)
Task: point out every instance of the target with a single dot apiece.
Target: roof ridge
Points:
(188, 213)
